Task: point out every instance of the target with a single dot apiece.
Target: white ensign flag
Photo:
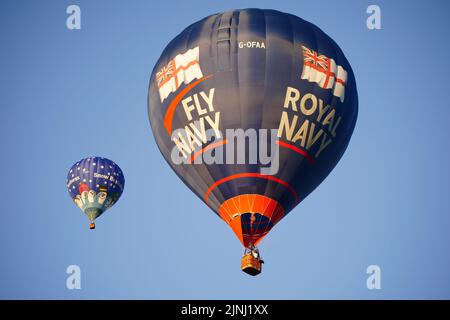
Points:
(324, 71)
(183, 68)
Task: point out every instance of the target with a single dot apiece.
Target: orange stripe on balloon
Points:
(208, 147)
(168, 117)
(250, 175)
(299, 151)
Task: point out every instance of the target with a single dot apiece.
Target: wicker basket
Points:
(251, 265)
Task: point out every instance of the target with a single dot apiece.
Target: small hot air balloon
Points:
(239, 82)
(95, 184)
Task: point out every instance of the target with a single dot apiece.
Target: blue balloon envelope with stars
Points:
(95, 184)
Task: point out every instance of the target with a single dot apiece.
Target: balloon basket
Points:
(251, 265)
(92, 226)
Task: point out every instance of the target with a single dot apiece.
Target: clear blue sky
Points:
(67, 94)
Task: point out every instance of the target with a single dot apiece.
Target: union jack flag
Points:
(318, 60)
(165, 73)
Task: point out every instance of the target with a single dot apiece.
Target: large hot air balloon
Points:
(95, 184)
(237, 84)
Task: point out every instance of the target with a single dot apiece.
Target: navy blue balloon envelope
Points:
(95, 184)
(257, 71)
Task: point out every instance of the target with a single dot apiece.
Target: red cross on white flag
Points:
(184, 68)
(322, 70)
